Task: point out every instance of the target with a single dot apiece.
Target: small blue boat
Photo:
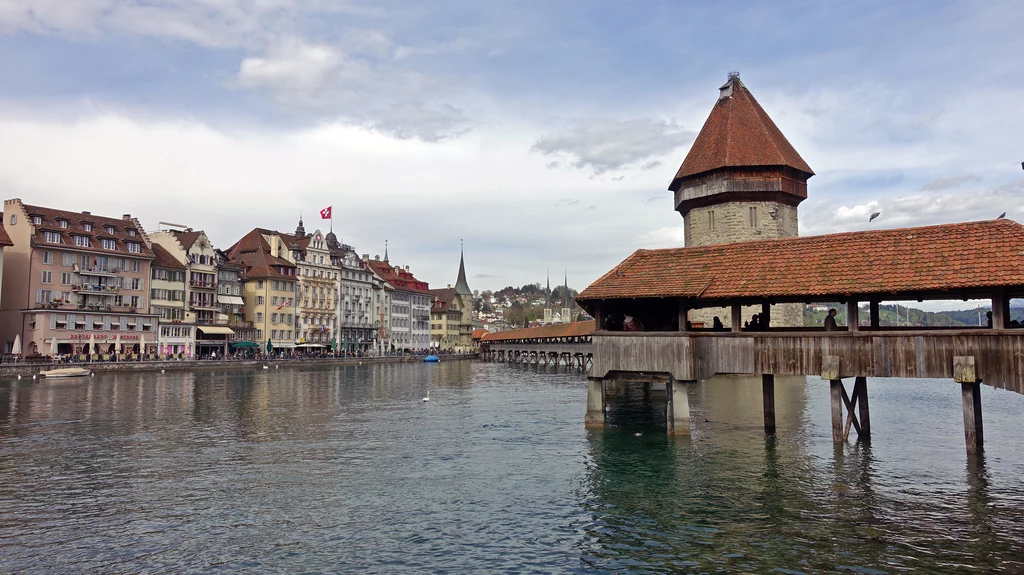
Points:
(431, 359)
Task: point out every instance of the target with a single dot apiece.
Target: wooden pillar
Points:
(598, 317)
(678, 407)
(836, 387)
(874, 313)
(971, 392)
(852, 316)
(684, 314)
(768, 393)
(860, 391)
(737, 319)
(1000, 310)
(595, 404)
(766, 316)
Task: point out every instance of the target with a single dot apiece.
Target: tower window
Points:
(711, 219)
(753, 217)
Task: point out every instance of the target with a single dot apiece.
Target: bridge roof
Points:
(960, 258)
(576, 329)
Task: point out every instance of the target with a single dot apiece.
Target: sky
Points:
(542, 134)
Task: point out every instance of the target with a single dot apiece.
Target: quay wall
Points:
(27, 369)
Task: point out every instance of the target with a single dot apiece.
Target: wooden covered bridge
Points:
(558, 344)
(660, 288)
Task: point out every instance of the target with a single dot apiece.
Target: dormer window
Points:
(134, 247)
(108, 244)
(51, 237)
(37, 220)
(62, 223)
(81, 241)
(110, 229)
(131, 232)
(87, 226)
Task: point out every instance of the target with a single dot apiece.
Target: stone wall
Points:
(732, 223)
(783, 315)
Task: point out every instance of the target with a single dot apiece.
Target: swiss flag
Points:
(326, 213)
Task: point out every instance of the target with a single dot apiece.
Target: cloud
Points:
(458, 45)
(949, 183)
(602, 144)
(430, 123)
(304, 74)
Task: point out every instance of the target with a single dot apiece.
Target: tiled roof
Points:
(5, 240)
(479, 333)
(186, 238)
(50, 223)
(580, 328)
(253, 252)
(164, 259)
(942, 258)
(444, 298)
(738, 133)
(399, 278)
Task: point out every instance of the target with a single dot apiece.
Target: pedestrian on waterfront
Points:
(830, 321)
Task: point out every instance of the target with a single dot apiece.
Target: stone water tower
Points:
(742, 180)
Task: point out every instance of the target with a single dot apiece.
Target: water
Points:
(346, 470)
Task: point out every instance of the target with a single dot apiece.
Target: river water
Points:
(346, 470)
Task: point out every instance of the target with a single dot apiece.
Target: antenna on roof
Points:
(733, 75)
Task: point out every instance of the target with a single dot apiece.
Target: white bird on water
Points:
(427, 398)
(266, 367)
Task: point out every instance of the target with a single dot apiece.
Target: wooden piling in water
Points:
(768, 393)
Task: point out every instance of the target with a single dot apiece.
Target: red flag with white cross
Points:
(326, 213)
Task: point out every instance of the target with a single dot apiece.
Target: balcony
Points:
(203, 285)
(96, 271)
(240, 324)
(203, 305)
(95, 289)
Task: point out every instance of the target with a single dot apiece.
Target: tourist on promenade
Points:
(830, 321)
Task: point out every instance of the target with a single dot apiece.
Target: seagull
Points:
(427, 398)
(33, 376)
(161, 371)
(637, 434)
(1001, 216)
(19, 377)
(266, 367)
(873, 216)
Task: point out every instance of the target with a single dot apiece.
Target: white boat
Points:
(66, 372)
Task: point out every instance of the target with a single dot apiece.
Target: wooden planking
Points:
(999, 356)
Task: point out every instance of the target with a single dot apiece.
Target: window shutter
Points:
(53, 321)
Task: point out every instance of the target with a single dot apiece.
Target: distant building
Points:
(452, 314)
(75, 283)
(168, 301)
(269, 284)
(411, 301)
(5, 242)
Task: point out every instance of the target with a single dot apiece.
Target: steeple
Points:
(461, 285)
(385, 250)
(300, 231)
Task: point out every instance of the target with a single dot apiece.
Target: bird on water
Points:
(427, 398)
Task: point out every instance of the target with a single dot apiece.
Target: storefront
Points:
(212, 341)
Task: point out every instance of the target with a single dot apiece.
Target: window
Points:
(51, 237)
(273, 334)
(87, 226)
(14, 219)
(47, 257)
(131, 233)
(136, 301)
(136, 283)
(259, 284)
(81, 241)
(43, 296)
(67, 260)
(65, 278)
(119, 300)
(259, 316)
(47, 277)
(273, 300)
(134, 247)
(259, 300)
(711, 219)
(108, 244)
(273, 318)
(136, 266)
(37, 220)
(110, 229)
(753, 217)
(62, 223)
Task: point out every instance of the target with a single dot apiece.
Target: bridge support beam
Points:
(768, 393)
(594, 418)
(678, 408)
(971, 392)
(856, 410)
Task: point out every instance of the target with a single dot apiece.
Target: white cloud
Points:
(603, 144)
(305, 75)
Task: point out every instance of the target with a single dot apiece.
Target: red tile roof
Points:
(738, 133)
(5, 240)
(75, 226)
(444, 298)
(944, 258)
(580, 328)
(479, 333)
(399, 278)
(253, 252)
(164, 259)
(186, 238)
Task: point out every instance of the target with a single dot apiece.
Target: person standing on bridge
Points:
(830, 321)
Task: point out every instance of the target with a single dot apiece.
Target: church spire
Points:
(461, 285)
(385, 250)
(300, 230)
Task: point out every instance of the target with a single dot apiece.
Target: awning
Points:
(230, 299)
(245, 344)
(311, 345)
(215, 330)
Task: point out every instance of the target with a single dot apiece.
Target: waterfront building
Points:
(741, 180)
(381, 307)
(75, 282)
(229, 298)
(355, 306)
(193, 249)
(167, 301)
(5, 242)
(411, 301)
(269, 284)
(316, 324)
(451, 315)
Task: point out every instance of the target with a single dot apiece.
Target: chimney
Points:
(84, 213)
(126, 217)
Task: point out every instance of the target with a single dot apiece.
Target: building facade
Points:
(167, 301)
(381, 310)
(741, 180)
(317, 290)
(452, 314)
(269, 283)
(355, 309)
(411, 301)
(75, 283)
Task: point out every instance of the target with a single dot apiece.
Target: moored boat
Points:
(431, 359)
(66, 372)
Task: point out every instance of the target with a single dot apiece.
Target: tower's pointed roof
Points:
(738, 133)
(461, 285)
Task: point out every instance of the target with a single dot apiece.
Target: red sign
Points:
(103, 337)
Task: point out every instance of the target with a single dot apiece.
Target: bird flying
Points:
(873, 216)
